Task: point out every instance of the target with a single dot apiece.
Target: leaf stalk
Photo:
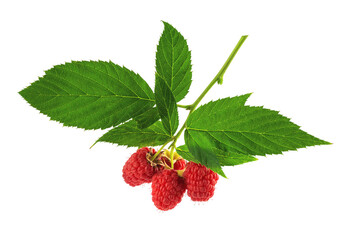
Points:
(187, 107)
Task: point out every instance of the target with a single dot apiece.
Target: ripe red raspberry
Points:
(200, 181)
(167, 189)
(138, 170)
(179, 164)
(166, 161)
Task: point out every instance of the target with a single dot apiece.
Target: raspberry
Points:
(179, 164)
(138, 169)
(200, 181)
(166, 161)
(167, 189)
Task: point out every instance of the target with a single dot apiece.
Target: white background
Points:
(300, 58)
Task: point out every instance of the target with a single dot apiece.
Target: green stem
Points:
(220, 75)
(159, 151)
(187, 107)
(179, 132)
(172, 155)
(217, 78)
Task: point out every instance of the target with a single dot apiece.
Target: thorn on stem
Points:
(221, 80)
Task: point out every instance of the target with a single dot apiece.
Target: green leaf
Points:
(166, 105)
(173, 62)
(220, 105)
(225, 158)
(89, 94)
(202, 150)
(201, 147)
(173, 66)
(128, 134)
(247, 130)
(147, 118)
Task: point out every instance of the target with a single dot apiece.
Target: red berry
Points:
(166, 161)
(200, 181)
(167, 189)
(179, 164)
(138, 170)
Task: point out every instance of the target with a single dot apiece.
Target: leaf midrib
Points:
(152, 132)
(105, 73)
(90, 95)
(232, 131)
(219, 154)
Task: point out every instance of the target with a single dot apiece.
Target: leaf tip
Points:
(247, 95)
(223, 175)
(21, 92)
(327, 143)
(165, 23)
(24, 94)
(220, 172)
(93, 144)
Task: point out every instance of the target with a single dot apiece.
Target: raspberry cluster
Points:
(169, 179)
